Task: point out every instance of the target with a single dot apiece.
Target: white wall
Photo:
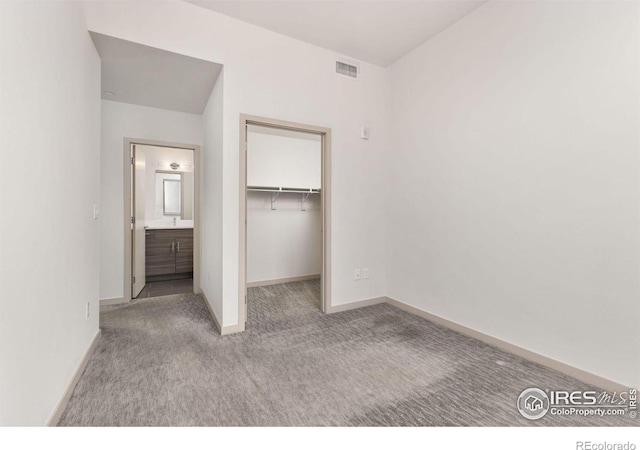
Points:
(211, 199)
(120, 121)
(297, 82)
(50, 116)
(286, 242)
(280, 158)
(188, 181)
(514, 206)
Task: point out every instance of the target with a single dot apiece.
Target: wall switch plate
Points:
(364, 133)
(88, 309)
(365, 273)
(96, 212)
(357, 275)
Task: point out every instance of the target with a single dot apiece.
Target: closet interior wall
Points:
(284, 228)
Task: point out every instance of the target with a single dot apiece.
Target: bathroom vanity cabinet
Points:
(169, 251)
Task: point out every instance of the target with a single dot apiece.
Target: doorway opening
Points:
(284, 220)
(162, 219)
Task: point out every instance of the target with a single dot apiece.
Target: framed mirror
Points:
(172, 196)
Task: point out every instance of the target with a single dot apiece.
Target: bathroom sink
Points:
(168, 224)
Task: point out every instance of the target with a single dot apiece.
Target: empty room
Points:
(321, 214)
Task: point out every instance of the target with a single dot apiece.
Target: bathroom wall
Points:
(159, 159)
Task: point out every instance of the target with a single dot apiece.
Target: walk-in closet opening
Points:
(285, 204)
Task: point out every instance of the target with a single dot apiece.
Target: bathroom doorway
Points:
(162, 232)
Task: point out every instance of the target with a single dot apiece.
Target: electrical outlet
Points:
(88, 309)
(357, 275)
(365, 273)
(96, 212)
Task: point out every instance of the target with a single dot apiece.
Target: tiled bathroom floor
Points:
(170, 287)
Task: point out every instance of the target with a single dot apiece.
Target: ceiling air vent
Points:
(347, 69)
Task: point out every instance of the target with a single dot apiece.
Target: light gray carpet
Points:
(161, 362)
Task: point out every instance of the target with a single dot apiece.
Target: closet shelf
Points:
(276, 191)
(280, 190)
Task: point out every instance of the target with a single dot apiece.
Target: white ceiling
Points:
(379, 32)
(152, 77)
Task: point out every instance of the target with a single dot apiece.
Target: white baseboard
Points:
(211, 313)
(355, 305)
(579, 374)
(62, 404)
(229, 329)
(112, 301)
(282, 280)
(236, 328)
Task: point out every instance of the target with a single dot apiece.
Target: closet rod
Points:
(281, 190)
(276, 191)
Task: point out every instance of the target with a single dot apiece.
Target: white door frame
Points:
(128, 143)
(325, 195)
(138, 230)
